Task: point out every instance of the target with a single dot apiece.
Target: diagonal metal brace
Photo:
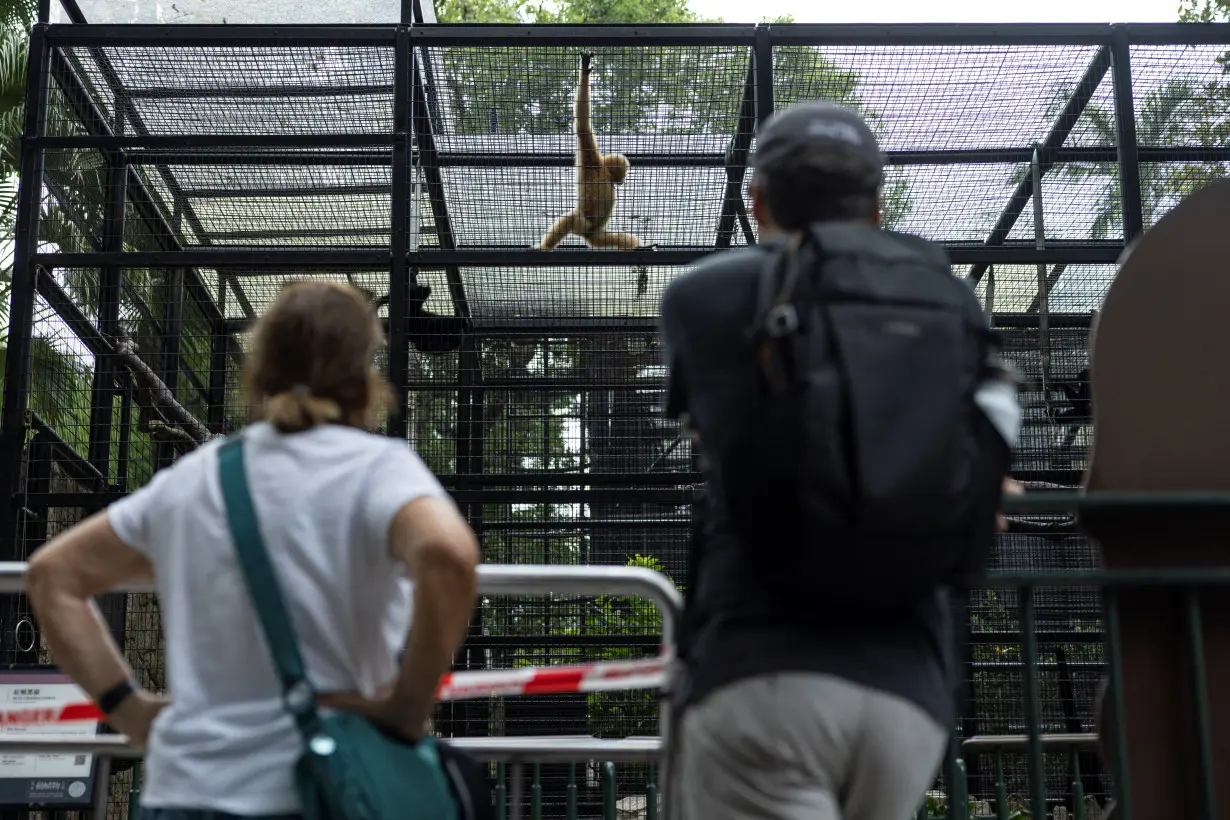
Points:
(1058, 134)
(736, 162)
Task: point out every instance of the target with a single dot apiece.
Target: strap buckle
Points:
(299, 698)
(781, 320)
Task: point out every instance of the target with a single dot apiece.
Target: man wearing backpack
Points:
(855, 425)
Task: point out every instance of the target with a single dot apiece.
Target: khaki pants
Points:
(801, 746)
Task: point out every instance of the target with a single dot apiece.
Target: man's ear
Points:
(875, 217)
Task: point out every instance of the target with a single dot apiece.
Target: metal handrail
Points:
(1067, 740)
(506, 579)
(546, 749)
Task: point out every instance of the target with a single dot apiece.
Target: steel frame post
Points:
(42, 454)
(172, 346)
(21, 299)
(763, 38)
(471, 430)
(399, 270)
(1125, 133)
(219, 356)
(107, 369)
(110, 282)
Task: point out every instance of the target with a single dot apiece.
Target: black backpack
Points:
(866, 472)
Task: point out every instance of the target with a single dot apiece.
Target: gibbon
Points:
(597, 176)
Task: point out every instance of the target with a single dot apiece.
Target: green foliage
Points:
(1204, 11)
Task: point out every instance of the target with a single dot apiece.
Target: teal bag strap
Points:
(262, 583)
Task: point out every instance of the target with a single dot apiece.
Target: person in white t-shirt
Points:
(361, 535)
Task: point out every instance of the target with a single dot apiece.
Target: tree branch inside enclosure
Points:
(179, 426)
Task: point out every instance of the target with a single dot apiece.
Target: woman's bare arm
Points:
(440, 552)
(63, 578)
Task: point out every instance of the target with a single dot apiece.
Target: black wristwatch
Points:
(115, 696)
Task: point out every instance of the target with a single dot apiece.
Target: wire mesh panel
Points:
(209, 169)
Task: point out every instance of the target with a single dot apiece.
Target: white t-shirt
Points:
(325, 499)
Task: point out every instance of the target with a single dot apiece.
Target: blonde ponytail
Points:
(295, 410)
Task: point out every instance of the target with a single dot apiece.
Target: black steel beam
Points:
(1125, 134)
(124, 35)
(948, 34)
(399, 233)
(73, 11)
(226, 257)
(425, 139)
(749, 234)
(735, 159)
(357, 157)
(1093, 252)
(479, 159)
(1060, 130)
(380, 158)
(252, 239)
(250, 92)
(1015, 321)
(21, 292)
(577, 36)
(281, 192)
(269, 261)
(186, 142)
(306, 36)
(762, 59)
(799, 34)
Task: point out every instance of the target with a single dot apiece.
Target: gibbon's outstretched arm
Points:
(588, 155)
(597, 176)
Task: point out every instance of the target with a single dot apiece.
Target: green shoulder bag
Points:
(350, 769)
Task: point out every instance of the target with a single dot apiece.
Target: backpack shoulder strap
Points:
(776, 318)
(262, 584)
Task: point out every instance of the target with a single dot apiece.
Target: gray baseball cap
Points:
(810, 128)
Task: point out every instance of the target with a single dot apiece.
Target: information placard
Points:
(49, 779)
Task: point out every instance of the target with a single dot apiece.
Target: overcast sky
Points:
(944, 11)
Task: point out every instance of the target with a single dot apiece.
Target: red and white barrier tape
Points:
(543, 680)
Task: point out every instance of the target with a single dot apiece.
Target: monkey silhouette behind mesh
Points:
(429, 332)
(597, 178)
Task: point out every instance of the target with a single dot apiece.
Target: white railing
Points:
(493, 579)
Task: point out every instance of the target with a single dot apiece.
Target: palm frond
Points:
(13, 50)
(18, 14)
